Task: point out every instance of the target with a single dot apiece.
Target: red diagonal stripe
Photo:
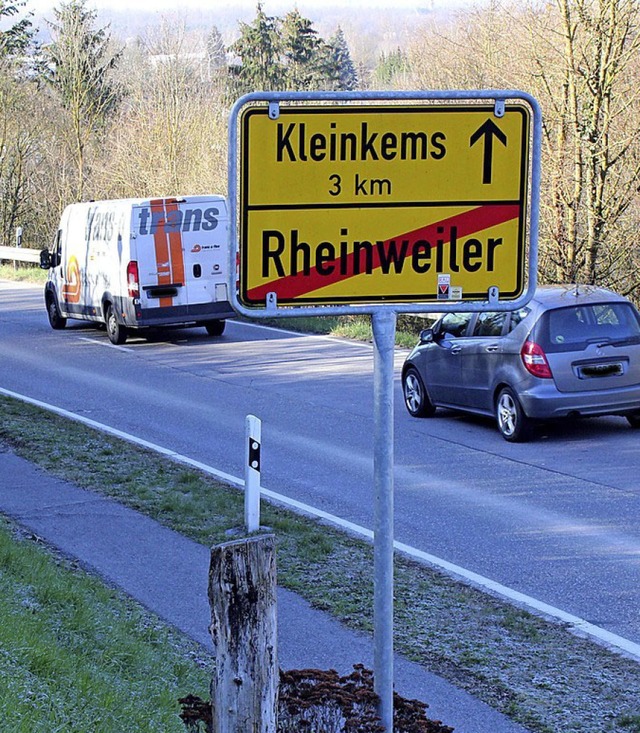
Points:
(467, 223)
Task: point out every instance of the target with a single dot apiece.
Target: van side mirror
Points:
(45, 259)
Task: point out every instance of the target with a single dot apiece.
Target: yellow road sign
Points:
(382, 203)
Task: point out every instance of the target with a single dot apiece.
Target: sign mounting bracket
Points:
(272, 303)
(274, 110)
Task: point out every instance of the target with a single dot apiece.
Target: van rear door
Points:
(181, 250)
(206, 253)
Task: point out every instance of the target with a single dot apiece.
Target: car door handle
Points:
(491, 349)
(455, 349)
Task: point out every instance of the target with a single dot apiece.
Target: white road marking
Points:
(575, 623)
(102, 342)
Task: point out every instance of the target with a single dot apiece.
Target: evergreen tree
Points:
(340, 71)
(15, 40)
(259, 49)
(216, 54)
(287, 53)
(79, 70)
(391, 68)
(301, 46)
(216, 58)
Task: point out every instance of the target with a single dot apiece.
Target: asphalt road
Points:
(556, 519)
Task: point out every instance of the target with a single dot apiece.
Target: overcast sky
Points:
(270, 6)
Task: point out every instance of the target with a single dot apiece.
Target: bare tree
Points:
(171, 133)
(584, 53)
(17, 145)
(471, 49)
(18, 133)
(579, 58)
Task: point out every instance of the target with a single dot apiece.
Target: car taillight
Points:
(535, 360)
(133, 282)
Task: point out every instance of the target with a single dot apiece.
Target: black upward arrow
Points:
(487, 130)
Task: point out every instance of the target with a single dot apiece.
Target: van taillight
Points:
(133, 282)
(535, 360)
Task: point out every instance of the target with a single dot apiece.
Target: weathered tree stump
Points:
(242, 596)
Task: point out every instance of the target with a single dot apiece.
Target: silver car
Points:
(573, 351)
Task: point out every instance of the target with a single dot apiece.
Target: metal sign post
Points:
(384, 337)
(376, 203)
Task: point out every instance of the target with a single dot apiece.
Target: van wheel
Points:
(116, 332)
(215, 328)
(56, 321)
(513, 424)
(415, 394)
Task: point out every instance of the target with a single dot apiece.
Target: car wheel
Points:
(56, 321)
(415, 394)
(513, 424)
(634, 419)
(116, 332)
(215, 328)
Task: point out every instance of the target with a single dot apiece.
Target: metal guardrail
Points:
(20, 254)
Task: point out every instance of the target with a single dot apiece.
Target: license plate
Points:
(612, 369)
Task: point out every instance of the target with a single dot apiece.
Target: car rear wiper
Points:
(619, 342)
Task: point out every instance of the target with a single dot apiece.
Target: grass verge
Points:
(357, 328)
(79, 657)
(23, 273)
(535, 671)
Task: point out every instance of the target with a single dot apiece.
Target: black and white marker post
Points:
(252, 474)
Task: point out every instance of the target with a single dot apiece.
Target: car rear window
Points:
(572, 329)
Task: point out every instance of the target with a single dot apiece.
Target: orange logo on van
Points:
(71, 288)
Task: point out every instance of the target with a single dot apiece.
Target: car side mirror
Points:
(45, 259)
(426, 336)
(436, 331)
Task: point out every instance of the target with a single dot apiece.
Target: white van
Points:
(141, 263)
